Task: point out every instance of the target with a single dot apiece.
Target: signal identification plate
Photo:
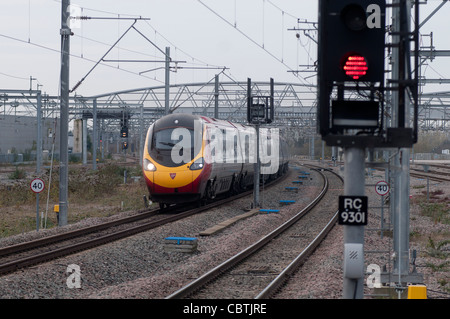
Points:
(352, 210)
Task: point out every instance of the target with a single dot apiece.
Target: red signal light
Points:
(355, 66)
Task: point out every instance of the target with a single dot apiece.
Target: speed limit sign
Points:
(382, 188)
(37, 185)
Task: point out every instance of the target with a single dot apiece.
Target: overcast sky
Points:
(249, 37)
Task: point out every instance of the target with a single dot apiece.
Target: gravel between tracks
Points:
(139, 267)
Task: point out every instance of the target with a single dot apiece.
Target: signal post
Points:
(353, 224)
(260, 110)
(351, 110)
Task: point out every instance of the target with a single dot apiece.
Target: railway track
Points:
(439, 176)
(248, 273)
(430, 176)
(436, 172)
(13, 258)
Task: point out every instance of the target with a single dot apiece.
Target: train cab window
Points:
(163, 141)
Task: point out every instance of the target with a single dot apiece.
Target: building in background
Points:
(18, 137)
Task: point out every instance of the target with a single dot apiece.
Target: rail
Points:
(51, 253)
(247, 252)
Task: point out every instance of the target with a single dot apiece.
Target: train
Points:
(194, 158)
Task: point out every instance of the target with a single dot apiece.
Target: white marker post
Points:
(37, 185)
(382, 188)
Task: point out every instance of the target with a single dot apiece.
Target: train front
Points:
(173, 164)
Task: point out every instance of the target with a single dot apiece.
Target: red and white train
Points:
(190, 158)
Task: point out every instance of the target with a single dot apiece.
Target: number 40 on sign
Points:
(382, 188)
(37, 185)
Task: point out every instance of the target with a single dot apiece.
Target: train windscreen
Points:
(174, 146)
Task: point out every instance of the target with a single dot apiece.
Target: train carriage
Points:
(190, 158)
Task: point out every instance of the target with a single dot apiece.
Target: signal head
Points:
(354, 17)
(355, 66)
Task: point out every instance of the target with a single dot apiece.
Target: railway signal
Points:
(355, 66)
(260, 110)
(124, 132)
(351, 86)
(351, 113)
(351, 39)
(350, 67)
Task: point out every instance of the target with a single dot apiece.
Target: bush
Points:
(94, 184)
(437, 211)
(438, 249)
(18, 174)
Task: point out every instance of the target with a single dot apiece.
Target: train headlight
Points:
(149, 166)
(198, 164)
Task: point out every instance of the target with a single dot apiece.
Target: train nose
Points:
(181, 180)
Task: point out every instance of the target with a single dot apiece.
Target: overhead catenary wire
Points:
(133, 16)
(14, 76)
(72, 55)
(122, 16)
(176, 47)
(82, 38)
(283, 11)
(251, 40)
(114, 15)
(89, 72)
(99, 62)
(29, 20)
(139, 17)
(192, 94)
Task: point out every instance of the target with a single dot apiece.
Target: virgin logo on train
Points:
(172, 175)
